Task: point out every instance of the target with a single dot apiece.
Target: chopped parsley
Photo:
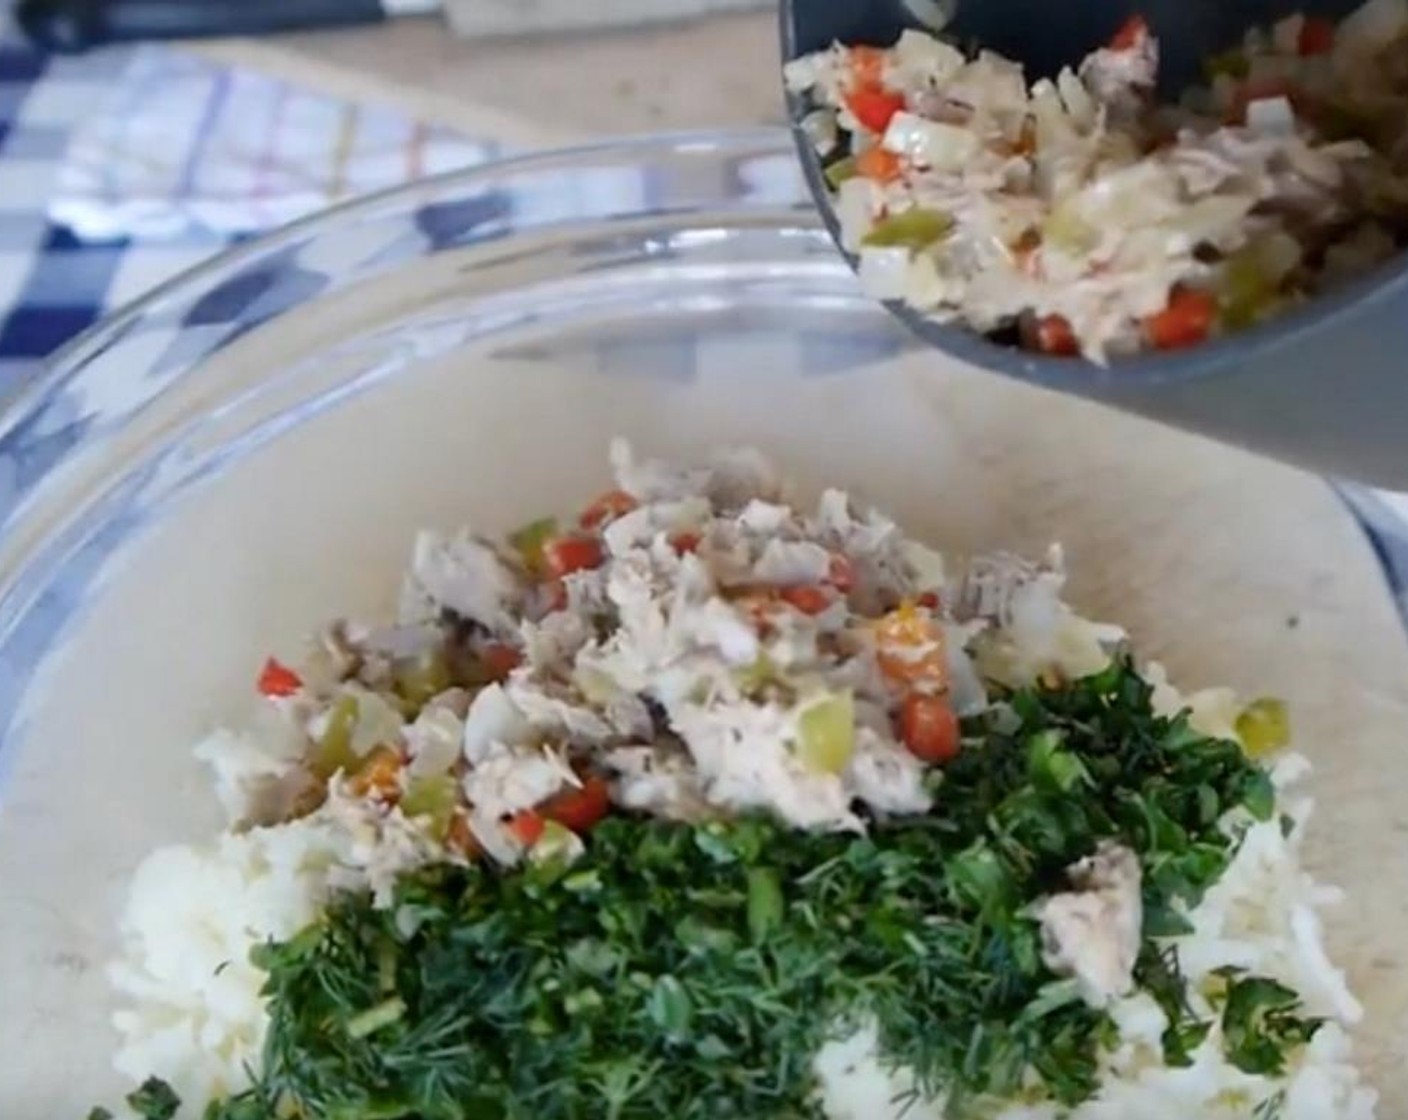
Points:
(694, 971)
(152, 1100)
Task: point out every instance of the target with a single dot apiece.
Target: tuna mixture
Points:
(1082, 215)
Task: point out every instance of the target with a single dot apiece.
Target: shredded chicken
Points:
(1093, 931)
(717, 651)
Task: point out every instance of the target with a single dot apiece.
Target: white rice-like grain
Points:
(194, 1015)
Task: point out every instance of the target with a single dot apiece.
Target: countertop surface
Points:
(718, 71)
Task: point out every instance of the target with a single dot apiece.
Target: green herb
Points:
(152, 1100)
(1260, 1024)
(1157, 972)
(694, 972)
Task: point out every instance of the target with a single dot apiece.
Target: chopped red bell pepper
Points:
(929, 728)
(874, 107)
(685, 542)
(1186, 321)
(1131, 34)
(805, 598)
(527, 826)
(1055, 336)
(276, 679)
(606, 508)
(564, 555)
(579, 809)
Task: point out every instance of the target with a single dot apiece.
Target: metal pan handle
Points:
(76, 25)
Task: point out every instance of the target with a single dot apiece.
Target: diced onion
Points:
(925, 286)
(493, 718)
(1212, 219)
(884, 272)
(855, 205)
(1279, 254)
(943, 147)
(378, 722)
(820, 128)
(922, 56)
(1271, 116)
(435, 739)
(1076, 98)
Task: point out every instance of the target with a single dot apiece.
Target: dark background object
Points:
(1324, 387)
(1045, 35)
(75, 25)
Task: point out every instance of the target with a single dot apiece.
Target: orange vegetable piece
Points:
(379, 775)
(929, 728)
(1186, 321)
(579, 809)
(564, 555)
(878, 165)
(527, 827)
(909, 648)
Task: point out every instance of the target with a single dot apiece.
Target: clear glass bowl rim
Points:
(70, 358)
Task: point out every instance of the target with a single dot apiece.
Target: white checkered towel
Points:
(180, 143)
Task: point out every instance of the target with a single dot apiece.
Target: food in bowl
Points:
(703, 804)
(1082, 217)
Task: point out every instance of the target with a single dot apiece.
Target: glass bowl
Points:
(248, 452)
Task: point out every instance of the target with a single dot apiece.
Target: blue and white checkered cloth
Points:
(185, 144)
(73, 133)
(51, 284)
